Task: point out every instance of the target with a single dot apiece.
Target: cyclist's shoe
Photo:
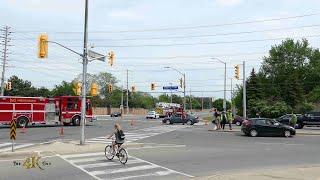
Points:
(117, 154)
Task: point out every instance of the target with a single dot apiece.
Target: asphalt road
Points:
(171, 152)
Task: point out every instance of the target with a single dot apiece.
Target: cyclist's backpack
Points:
(121, 135)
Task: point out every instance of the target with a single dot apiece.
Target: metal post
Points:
(190, 101)
(244, 92)
(12, 145)
(202, 102)
(127, 91)
(231, 97)
(121, 100)
(171, 92)
(225, 90)
(4, 60)
(184, 92)
(84, 75)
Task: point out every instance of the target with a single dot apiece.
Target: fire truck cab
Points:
(55, 110)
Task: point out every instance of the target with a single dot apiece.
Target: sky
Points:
(147, 36)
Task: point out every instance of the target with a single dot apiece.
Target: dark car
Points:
(238, 120)
(265, 126)
(115, 114)
(309, 119)
(190, 120)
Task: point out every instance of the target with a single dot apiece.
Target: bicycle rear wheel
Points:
(108, 152)
(123, 156)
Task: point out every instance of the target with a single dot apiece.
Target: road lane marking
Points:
(106, 164)
(124, 169)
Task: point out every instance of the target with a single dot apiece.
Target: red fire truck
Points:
(55, 110)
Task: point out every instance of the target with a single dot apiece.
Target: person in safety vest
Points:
(293, 120)
(230, 118)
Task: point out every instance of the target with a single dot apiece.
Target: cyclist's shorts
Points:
(120, 143)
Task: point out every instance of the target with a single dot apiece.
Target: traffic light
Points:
(43, 46)
(181, 82)
(111, 55)
(94, 89)
(77, 88)
(153, 86)
(9, 86)
(237, 72)
(110, 88)
(133, 89)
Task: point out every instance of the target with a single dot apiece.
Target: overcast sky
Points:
(149, 35)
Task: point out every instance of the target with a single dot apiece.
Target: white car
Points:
(153, 115)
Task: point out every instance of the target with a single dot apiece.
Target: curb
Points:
(24, 154)
(297, 133)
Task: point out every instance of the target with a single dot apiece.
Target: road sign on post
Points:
(13, 129)
(96, 56)
(170, 87)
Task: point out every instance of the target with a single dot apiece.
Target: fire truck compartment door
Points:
(50, 112)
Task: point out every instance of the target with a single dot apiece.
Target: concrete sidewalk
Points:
(285, 173)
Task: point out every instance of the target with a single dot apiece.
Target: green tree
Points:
(63, 89)
(21, 87)
(218, 104)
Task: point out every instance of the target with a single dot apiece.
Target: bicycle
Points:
(121, 152)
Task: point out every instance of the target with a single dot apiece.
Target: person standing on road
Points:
(183, 116)
(216, 119)
(223, 119)
(230, 118)
(293, 120)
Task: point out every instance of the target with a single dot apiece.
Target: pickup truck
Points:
(308, 119)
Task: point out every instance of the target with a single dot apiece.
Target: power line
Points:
(188, 36)
(203, 43)
(186, 27)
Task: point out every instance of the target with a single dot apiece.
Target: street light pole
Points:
(225, 84)
(84, 75)
(184, 86)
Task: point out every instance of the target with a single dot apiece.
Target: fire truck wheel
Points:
(76, 121)
(22, 121)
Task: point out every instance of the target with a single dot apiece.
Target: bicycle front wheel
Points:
(108, 152)
(123, 156)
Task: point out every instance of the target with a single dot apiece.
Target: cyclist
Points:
(118, 133)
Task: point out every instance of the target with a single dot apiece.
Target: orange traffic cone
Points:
(61, 132)
(132, 122)
(22, 130)
(206, 123)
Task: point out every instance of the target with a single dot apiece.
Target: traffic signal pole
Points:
(244, 92)
(84, 75)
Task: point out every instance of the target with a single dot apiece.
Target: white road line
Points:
(79, 168)
(153, 147)
(159, 173)
(85, 160)
(82, 155)
(107, 164)
(166, 168)
(16, 147)
(136, 168)
(5, 144)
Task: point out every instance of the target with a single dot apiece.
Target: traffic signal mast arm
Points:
(66, 48)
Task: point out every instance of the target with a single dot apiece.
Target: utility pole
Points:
(184, 92)
(6, 40)
(171, 92)
(84, 75)
(190, 101)
(225, 86)
(202, 102)
(121, 100)
(127, 91)
(231, 96)
(244, 92)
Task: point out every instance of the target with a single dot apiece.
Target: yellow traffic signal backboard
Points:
(237, 72)
(43, 46)
(153, 86)
(94, 89)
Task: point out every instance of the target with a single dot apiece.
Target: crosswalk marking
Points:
(8, 146)
(99, 167)
(139, 134)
